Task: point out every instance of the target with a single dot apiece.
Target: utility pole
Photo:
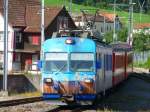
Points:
(70, 7)
(65, 3)
(5, 64)
(42, 28)
(130, 26)
(104, 24)
(114, 31)
(141, 8)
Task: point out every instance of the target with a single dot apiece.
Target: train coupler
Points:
(67, 98)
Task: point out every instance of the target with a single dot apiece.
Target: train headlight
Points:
(48, 80)
(88, 80)
(70, 41)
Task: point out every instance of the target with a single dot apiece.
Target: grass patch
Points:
(124, 15)
(145, 65)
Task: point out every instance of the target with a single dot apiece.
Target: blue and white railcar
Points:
(69, 68)
(78, 69)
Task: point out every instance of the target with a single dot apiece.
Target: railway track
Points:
(73, 108)
(142, 76)
(20, 101)
(15, 102)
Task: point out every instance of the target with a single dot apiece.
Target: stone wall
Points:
(22, 83)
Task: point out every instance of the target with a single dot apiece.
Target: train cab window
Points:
(55, 62)
(82, 62)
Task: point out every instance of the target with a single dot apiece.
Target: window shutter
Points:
(35, 40)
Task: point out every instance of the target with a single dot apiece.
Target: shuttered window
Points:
(35, 40)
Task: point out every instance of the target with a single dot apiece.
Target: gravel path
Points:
(31, 107)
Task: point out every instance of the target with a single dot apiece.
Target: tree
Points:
(141, 42)
(121, 36)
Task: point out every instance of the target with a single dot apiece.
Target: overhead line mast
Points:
(5, 63)
(42, 27)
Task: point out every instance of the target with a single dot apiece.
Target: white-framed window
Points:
(1, 36)
(1, 57)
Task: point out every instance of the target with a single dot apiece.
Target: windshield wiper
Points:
(61, 68)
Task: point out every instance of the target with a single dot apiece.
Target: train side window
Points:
(109, 62)
(98, 56)
(98, 62)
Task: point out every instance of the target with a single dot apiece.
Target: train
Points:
(78, 69)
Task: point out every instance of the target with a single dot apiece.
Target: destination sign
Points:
(56, 56)
(82, 56)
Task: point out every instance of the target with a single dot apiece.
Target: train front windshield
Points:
(79, 62)
(82, 62)
(55, 62)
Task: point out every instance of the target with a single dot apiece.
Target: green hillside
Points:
(145, 18)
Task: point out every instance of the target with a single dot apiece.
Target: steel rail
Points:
(14, 102)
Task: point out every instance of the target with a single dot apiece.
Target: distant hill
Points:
(105, 4)
(145, 18)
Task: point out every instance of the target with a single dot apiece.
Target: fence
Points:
(141, 57)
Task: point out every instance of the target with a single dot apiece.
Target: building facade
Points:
(24, 39)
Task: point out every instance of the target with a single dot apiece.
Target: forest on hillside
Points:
(144, 5)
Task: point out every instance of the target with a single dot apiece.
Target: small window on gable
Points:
(62, 22)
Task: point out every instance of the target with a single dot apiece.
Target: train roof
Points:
(121, 46)
(60, 45)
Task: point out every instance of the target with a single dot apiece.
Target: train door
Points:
(118, 67)
(99, 75)
(103, 73)
(129, 63)
(126, 60)
(108, 70)
(113, 69)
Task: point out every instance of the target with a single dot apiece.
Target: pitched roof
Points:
(33, 22)
(17, 10)
(142, 26)
(90, 17)
(109, 16)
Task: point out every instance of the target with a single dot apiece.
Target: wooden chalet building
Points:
(24, 31)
